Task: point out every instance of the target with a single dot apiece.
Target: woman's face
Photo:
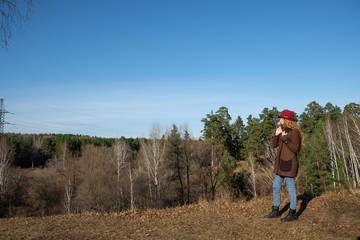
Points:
(282, 121)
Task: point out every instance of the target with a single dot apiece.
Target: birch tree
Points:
(354, 162)
(332, 147)
(121, 152)
(153, 152)
(251, 164)
(5, 161)
(342, 151)
(66, 168)
(132, 179)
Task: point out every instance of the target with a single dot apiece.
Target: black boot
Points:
(274, 213)
(290, 217)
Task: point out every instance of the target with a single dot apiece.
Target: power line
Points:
(32, 123)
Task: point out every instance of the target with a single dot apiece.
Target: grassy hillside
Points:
(330, 216)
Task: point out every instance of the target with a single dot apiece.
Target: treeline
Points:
(54, 174)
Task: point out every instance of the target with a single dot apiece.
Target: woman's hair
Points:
(293, 125)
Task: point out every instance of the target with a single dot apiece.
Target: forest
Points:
(48, 174)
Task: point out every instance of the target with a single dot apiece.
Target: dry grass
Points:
(331, 216)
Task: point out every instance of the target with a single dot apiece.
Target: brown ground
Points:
(330, 216)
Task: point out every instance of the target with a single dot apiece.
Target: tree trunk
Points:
(131, 187)
(353, 158)
(188, 181)
(345, 170)
(180, 180)
(331, 143)
(252, 170)
(68, 194)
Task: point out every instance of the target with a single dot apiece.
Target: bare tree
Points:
(123, 158)
(13, 14)
(132, 176)
(153, 152)
(121, 153)
(332, 147)
(354, 162)
(269, 153)
(251, 164)
(43, 191)
(66, 168)
(342, 150)
(5, 161)
(208, 159)
(96, 186)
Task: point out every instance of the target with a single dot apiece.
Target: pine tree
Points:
(315, 159)
(253, 142)
(175, 160)
(309, 118)
(238, 130)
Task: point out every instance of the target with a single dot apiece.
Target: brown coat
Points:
(286, 163)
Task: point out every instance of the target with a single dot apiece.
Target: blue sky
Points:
(114, 68)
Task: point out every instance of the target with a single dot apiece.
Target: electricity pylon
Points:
(2, 116)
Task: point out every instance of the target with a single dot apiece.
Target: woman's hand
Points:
(278, 131)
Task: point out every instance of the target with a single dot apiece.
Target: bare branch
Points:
(13, 15)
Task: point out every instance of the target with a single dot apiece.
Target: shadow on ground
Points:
(305, 199)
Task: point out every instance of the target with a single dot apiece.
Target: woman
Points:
(289, 138)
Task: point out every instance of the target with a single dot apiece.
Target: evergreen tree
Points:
(217, 129)
(254, 137)
(238, 130)
(353, 109)
(314, 159)
(187, 150)
(333, 111)
(309, 118)
(227, 167)
(48, 146)
(218, 132)
(175, 160)
(268, 122)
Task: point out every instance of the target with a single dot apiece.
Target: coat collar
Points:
(287, 129)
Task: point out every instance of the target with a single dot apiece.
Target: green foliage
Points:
(333, 111)
(310, 117)
(343, 178)
(48, 146)
(227, 167)
(74, 146)
(238, 134)
(268, 122)
(217, 127)
(174, 142)
(352, 108)
(25, 154)
(227, 164)
(219, 131)
(134, 143)
(314, 159)
(237, 184)
(253, 137)
(174, 150)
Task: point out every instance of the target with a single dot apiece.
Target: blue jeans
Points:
(290, 185)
